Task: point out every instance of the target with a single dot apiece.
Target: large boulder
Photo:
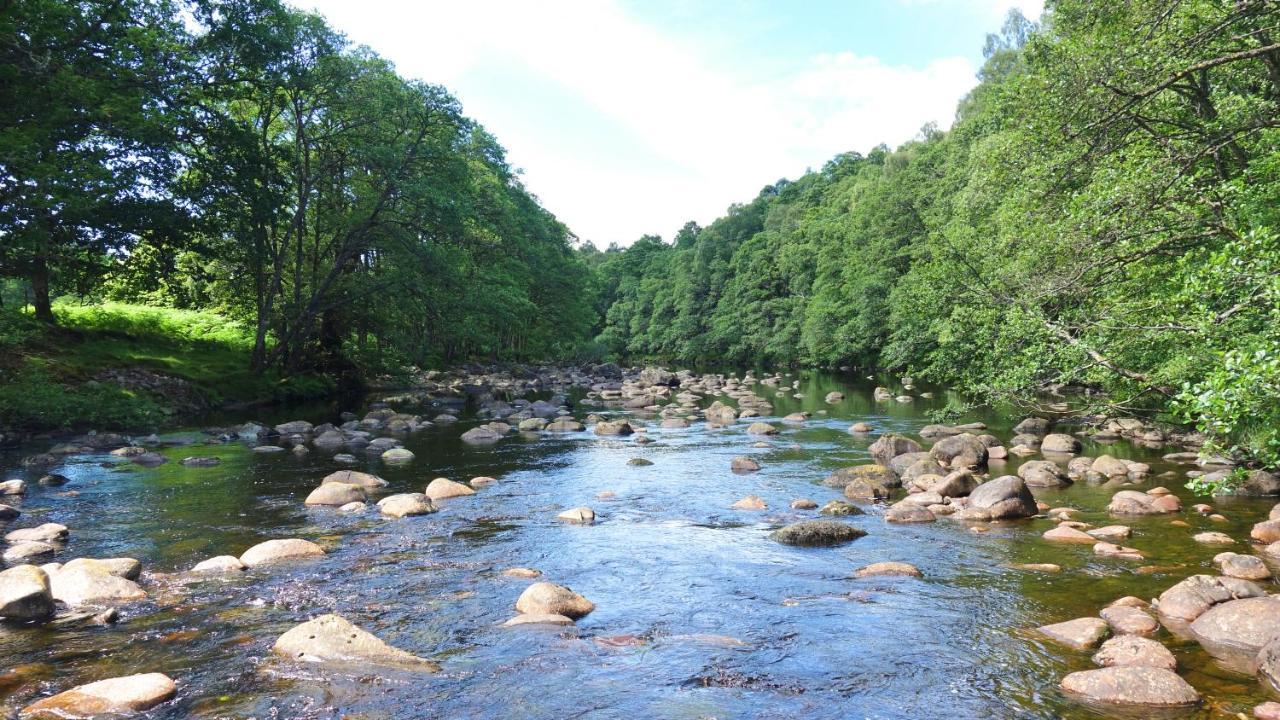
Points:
(922, 462)
(1129, 685)
(1042, 473)
(25, 594)
(816, 533)
(1192, 597)
(1060, 443)
(1132, 502)
(444, 488)
(273, 551)
(1238, 626)
(864, 482)
(891, 445)
(353, 477)
(1268, 664)
(956, 484)
(1003, 498)
(90, 582)
(621, 427)
(1134, 651)
(406, 505)
(1032, 426)
(544, 598)
(335, 493)
(48, 532)
(112, 697)
(334, 639)
(959, 451)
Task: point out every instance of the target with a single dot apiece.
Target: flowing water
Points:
(698, 613)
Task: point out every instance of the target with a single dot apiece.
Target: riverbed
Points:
(699, 614)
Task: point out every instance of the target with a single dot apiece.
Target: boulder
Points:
(750, 502)
(295, 427)
(864, 482)
(1107, 466)
(1005, 497)
(742, 463)
(564, 425)
(483, 435)
(760, 428)
(861, 428)
(1130, 685)
(273, 551)
(1192, 597)
(621, 427)
(1267, 531)
(24, 551)
(959, 451)
(397, 455)
(115, 696)
(905, 512)
(578, 515)
(1060, 443)
(48, 533)
(1032, 426)
(544, 598)
(92, 583)
(956, 484)
(1213, 538)
(1081, 633)
(1238, 626)
(1247, 567)
(13, 487)
(816, 533)
(1066, 534)
(406, 505)
(1132, 502)
(335, 493)
(1134, 651)
(125, 567)
(444, 488)
(890, 568)
(334, 639)
(1042, 473)
(1126, 620)
(1267, 664)
(8, 512)
(891, 445)
(25, 594)
(219, 564)
(839, 507)
(1111, 532)
(354, 477)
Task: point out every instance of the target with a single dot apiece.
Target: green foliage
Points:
(33, 398)
(1104, 212)
(1224, 485)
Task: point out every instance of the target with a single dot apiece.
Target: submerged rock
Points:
(219, 564)
(1081, 633)
(890, 568)
(116, 696)
(334, 639)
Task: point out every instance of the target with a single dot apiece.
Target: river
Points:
(699, 614)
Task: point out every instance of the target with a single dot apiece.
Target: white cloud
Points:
(709, 136)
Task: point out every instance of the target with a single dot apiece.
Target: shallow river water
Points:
(698, 613)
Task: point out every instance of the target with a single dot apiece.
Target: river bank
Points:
(698, 609)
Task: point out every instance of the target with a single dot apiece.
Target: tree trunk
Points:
(40, 289)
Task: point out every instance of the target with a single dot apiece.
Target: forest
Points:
(1102, 214)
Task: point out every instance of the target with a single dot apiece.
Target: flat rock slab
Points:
(1081, 633)
(1238, 626)
(1064, 534)
(1134, 651)
(1129, 685)
(116, 696)
(334, 639)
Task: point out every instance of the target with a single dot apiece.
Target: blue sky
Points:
(630, 117)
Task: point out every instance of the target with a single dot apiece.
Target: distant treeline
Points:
(241, 156)
(1104, 211)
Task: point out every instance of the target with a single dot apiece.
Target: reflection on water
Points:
(698, 613)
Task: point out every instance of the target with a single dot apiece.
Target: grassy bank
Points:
(128, 367)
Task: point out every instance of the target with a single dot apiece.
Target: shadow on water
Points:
(699, 614)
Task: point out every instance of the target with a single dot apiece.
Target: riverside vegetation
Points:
(210, 209)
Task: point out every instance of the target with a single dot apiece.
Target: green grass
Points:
(47, 373)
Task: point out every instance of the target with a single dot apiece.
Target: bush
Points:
(1236, 404)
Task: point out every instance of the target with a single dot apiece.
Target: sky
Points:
(631, 117)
